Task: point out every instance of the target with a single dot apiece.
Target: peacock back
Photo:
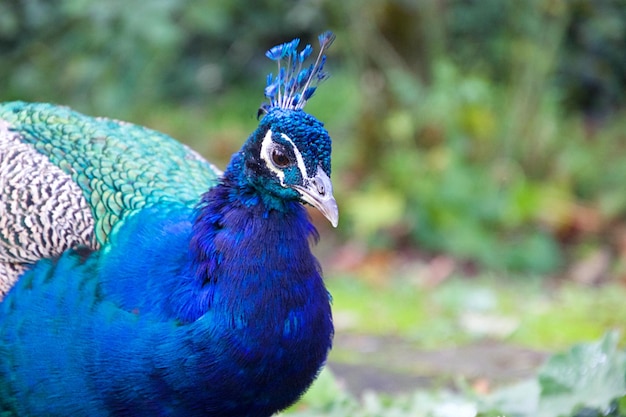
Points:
(68, 179)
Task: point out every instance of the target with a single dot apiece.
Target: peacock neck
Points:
(257, 291)
(250, 253)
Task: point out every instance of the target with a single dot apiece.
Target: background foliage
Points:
(491, 130)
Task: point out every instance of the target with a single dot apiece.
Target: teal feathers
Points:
(120, 167)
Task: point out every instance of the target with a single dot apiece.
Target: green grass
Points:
(528, 312)
(586, 380)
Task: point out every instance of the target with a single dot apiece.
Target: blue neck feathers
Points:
(246, 248)
(251, 294)
(261, 287)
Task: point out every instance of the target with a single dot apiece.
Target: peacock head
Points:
(288, 156)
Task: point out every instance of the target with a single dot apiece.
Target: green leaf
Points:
(589, 375)
(518, 400)
(586, 378)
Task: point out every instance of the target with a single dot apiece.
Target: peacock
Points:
(137, 279)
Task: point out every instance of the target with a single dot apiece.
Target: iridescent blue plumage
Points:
(217, 309)
(295, 83)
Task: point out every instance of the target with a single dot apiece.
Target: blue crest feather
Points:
(295, 82)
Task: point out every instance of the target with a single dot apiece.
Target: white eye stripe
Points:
(299, 158)
(266, 146)
(265, 155)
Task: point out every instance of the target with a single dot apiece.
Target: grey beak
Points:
(318, 192)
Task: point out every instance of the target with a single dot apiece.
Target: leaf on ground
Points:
(589, 375)
(518, 400)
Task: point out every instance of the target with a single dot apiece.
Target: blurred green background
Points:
(491, 131)
(478, 156)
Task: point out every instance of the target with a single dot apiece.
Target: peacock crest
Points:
(295, 82)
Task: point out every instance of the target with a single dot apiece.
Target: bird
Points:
(137, 279)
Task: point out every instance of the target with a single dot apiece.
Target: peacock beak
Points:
(318, 192)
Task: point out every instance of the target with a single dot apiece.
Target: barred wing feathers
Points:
(67, 179)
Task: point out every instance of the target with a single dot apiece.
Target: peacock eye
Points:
(279, 158)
